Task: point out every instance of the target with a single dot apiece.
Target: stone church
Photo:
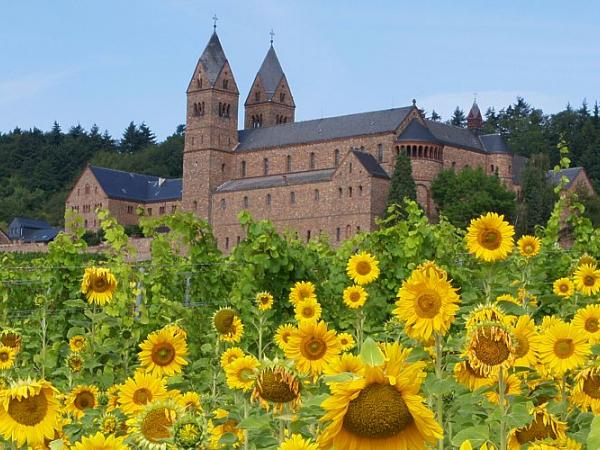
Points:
(326, 176)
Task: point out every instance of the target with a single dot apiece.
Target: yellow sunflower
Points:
(7, 357)
(218, 431)
(312, 346)
(586, 392)
(112, 394)
(345, 363)
(507, 298)
(278, 386)
(430, 268)
(490, 237)
(190, 401)
(153, 425)
(187, 434)
(426, 305)
(11, 338)
(469, 377)
(563, 287)
(108, 423)
(241, 373)
(562, 347)
(230, 355)
(355, 296)
(75, 362)
(302, 290)
(163, 352)
(543, 426)
(549, 321)
(346, 341)
(264, 301)
(512, 387)
(100, 442)
(526, 341)
(485, 313)
(29, 412)
(140, 390)
(490, 347)
(282, 335)
(587, 259)
(587, 279)
(80, 399)
(308, 309)
(236, 332)
(529, 246)
(77, 343)
(382, 409)
(587, 322)
(297, 442)
(363, 268)
(98, 285)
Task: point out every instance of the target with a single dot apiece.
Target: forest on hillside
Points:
(39, 167)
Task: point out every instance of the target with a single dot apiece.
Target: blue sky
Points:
(113, 61)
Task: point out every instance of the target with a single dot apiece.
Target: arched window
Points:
(420, 151)
(379, 152)
(336, 157)
(282, 97)
(246, 203)
(350, 167)
(348, 231)
(316, 195)
(453, 164)
(225, 84)
(492, 168)
(349, 191)
(509, 169)
(340, 192)
(257, 96)
(268, 199)
(398, 151)
(223, 204)
(292, 197)
(307, 235)
(87, 189)
(195, 205)
(227, 111)
(227, 242)
(312, 160)
(337, 234)
(223, 169)
(266, 166)
(360, 190)
(243, 168)
(288, 163)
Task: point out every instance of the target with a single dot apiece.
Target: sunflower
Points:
(308, 309)
(587, 259)
(297, 442)
(277, 385)
(312, 346)
(77, 343)
(29, 412)
(140, 390)
(98, 285)
(469, 377)
(485, 313)
(218, 431)
(586, 392)
(526, 341)
(431, 269)
(108, 423)
(175, 328)
(163, 352)
(563, 347)
(190, 401)
(7, 357)
(264, 301)
(282, 335)
(241, 373)
(529, 246)
(153, 424)
(490, 347)
(355, 296)
(81, 398)
(548, 322)
(507, 298)
(426, 304)
(100, 442)
(230, 355)
(563, 287)
(363, 268)
(11, 338)
(587, 279)
(490, 237)
(543, 426)
(466, 445)
(345, 363)
(112, 394)
(301, 291)
(188, 433)
(346, 341)
(512, 387)
(382, 409)
(587, 322)
(236, 333)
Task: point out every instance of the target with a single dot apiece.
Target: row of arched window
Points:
(279, 119)
(224, 109)
(199, 109)
(257, 120)
(422, 151)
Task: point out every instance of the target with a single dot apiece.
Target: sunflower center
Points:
(188, 434)
(314, 348)
(591, 325)
(591, 386)
(489, 351)
(537, 431)
(285, 337)
(528, 248)
(84, 400)
(142, 396)
(522, 346)
(344, 341)
(163, 354)
(379, 411)
(363, 267)
(28, 411)
(4, 356)
(11, 340)
(99, 284)
(277, 388)
(264, 300)
(563, 287)
(354, 296)
(563, 348)
(155, 426)
(308, 311)
(223, 320)
(304, 293)
(490, 239)
(589, 280)
(246, 374)
(428, 305)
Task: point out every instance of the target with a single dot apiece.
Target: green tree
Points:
(435, 116)
(469, 193)
(538, 195)
(402, 184)
(458, 118)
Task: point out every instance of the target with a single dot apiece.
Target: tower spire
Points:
(215, 18)
(272, 34)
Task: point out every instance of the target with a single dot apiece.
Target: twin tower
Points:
(211, 133)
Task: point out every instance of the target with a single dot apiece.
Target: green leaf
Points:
(477, 435)
(371, 354)
(593, 439)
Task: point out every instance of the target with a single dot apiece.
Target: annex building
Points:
(328, 175)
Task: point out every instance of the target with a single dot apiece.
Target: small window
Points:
(338, 233)
(509, 169)
(94, 223)
(312, 160)
(173, 209)
(340, 192)
(238, 240)
(268, 199)
(292, 197)
(223, 204)
(225, 84)
(348, 231)
(379, 152)
(130, 210)
(227, 242)
(336, 157)
(358, 228)
(350, 167)
(85, 223)
(266, 166)
(289, 163)
(360, 190)
(195, 205)
(223, 169)
(161, 210)
(95, 189)
(307, 235)
(316, 195)
(243, 169)
(149, 211)
(282, 97)
(246, 203)
(350, 191)
(453, 164)
(87, 189)
(257, 96)
(78, 192)
(492, 168)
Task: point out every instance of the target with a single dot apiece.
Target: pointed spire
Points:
(270, 72)
(474, 118)
(213, 58)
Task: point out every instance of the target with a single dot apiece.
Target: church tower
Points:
(270, 100)
(211, 128)
(474, 119)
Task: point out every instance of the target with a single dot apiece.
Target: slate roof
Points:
(29, 223)
(270, 73)
(31, 230)
(137, 187)
(456, 136)
(322, 129)
(416, 132)
(45, 235)
(269, 181)
(370, 164)
(494, 143)
(213, 59)
(571, 173)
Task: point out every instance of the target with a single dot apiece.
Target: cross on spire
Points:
(475, 97)
(215, 18)
(272, 34)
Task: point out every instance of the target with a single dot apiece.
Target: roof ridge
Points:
(131, 173)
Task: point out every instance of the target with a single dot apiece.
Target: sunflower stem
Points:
(439, 373)
(501, 403)
(213, 390)
(246, 441)
(43, 349)
(260, 334)
(360, 326)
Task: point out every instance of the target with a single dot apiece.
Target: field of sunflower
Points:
(416, 336)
